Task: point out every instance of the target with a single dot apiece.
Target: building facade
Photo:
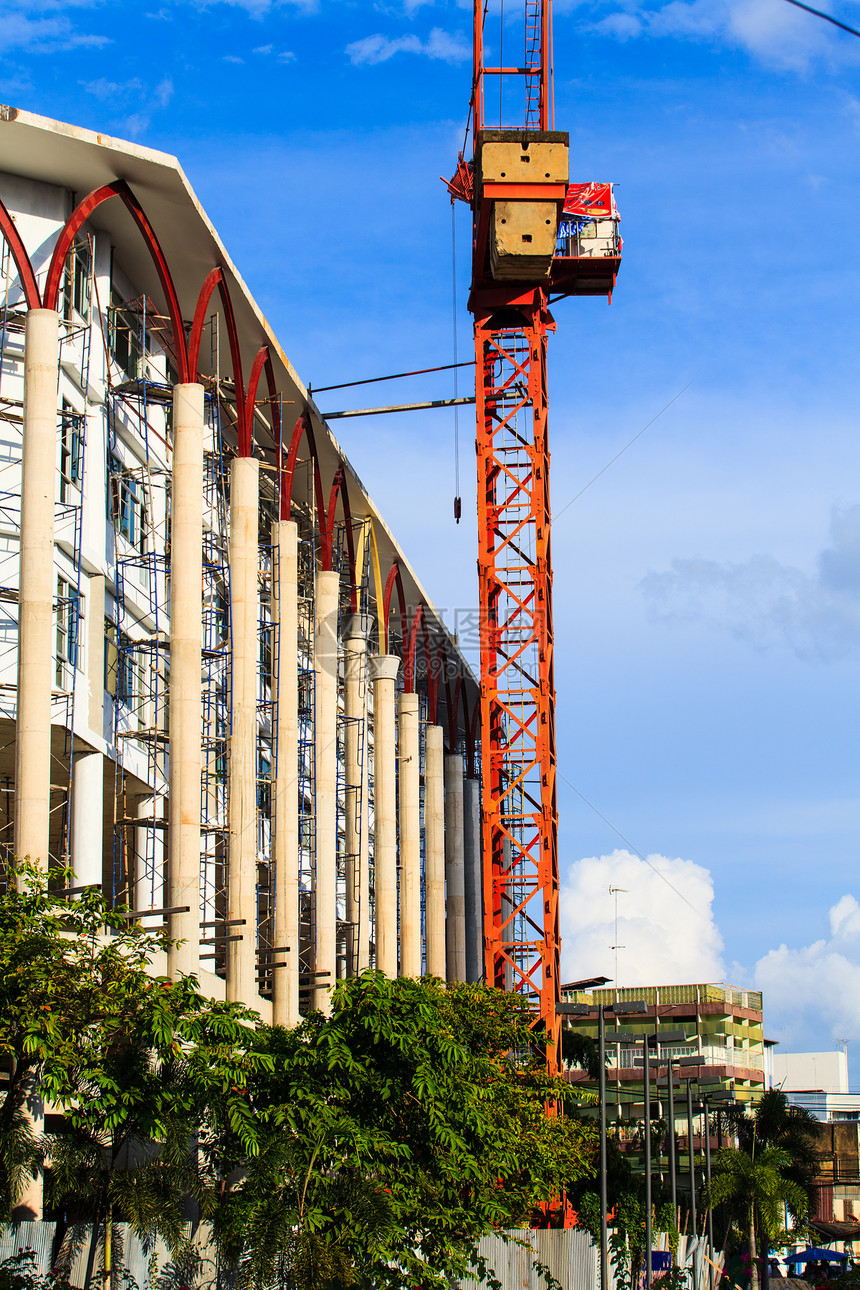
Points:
(225, 698)
(722, 1027)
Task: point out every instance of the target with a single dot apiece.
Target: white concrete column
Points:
(285, 688)
(36, 588)
(184, 696)
(355, 776)
(455, 912)
(434, 852)
(244, 609)
(325, 755)
(474, 884)
(87, 831)
(383, 674)
(96, 653)
(409, 802)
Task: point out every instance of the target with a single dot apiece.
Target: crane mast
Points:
(530, 230)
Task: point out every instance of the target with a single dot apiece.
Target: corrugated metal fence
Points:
(568, 1255)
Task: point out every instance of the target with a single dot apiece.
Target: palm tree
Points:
(755, 1187)
(775, 1123)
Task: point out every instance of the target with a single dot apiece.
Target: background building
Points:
(224, 696)
(722, 1026)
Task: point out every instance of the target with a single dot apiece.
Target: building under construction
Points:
(224, 697)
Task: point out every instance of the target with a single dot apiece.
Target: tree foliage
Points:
(755, 1188)
(374, 1146)
(394, 1134)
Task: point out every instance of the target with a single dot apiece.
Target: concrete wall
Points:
(803, 1072)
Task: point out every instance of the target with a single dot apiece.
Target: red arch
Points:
(275, 403)
(246, 430)
(288, 468)
(70, 230)
(394, 579)
(338, 485)
(212, 279)
(409, 651)
(432, 674)
(26, 276)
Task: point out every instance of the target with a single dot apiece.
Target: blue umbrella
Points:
(813, 1253)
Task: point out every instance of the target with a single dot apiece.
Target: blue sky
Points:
(706, 585)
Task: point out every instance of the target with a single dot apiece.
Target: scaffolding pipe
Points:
(355, 796)
(36, 589)
(473, 880)
(434, 852)
(184, 715)
(455, 912)
(285, 687)
(383, 673)
(409, 801)
(325, 762)
(244, 610)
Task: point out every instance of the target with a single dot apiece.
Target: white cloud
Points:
(43, 35)
(815, 986)
(768, 29)
(766, 603)
(370, 50)
(105, 89)
(163, 92)
(665, 941)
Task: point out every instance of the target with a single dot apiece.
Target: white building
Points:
(225, 697)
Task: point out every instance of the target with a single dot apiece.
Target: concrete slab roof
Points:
(53, 152)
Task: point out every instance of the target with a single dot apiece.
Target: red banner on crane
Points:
(589, 199)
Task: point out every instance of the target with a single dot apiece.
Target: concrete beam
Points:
(434, 852)
(325, 752)
(185, 718)
(285, 847)
(36, 588)
(455, 900)
(409, 801)
(244, 608)
(356, 780)
(473, 879)
(383, 674)
(87, 818)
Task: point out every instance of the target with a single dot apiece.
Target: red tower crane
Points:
(536, 238)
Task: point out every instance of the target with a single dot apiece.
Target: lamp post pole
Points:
(707, 1119)
(601, 1032)
(670, 1074)
(646, 1086)
(693, 1221)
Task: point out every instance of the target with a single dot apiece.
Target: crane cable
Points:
(826, 16)
(458, 504)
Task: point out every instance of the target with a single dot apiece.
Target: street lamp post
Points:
(646, 1088)
(693, 1221)
(604, 1242)
(582, 1010)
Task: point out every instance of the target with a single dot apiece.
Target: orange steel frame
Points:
(520, 849)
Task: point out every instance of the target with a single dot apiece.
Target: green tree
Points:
(753, 1185)
(391, 1137)
(775, 1123)
(127, 1056)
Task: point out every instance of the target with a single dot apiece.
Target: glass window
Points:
(68, 621)
(76, 291)
(71, 450)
